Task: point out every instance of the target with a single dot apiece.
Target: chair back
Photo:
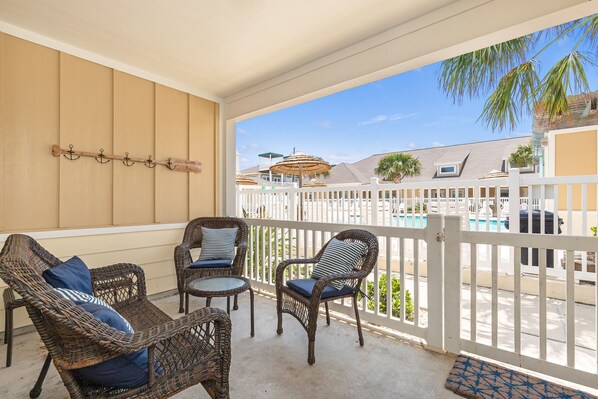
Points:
(66, 329)
(369, 255)
(193, 235)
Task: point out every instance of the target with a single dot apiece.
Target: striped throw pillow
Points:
(218, 243)
(339, 257)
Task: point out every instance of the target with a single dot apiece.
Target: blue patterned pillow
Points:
(338, 257)
(218, 243)
(126, 371)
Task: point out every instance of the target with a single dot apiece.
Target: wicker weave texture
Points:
(306, 310)
(192, 349)
(193, 239)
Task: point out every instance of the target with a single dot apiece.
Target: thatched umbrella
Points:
(244, 180)
(300, 164)
(494, 174)
(314, 183)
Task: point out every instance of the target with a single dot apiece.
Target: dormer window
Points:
(451, 163)
(448, 170)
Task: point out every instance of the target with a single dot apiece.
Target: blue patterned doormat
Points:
(476, 379)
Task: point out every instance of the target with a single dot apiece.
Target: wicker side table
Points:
(218, 286)
(10, 304)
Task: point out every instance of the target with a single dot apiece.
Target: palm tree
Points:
(509, 71)
(395, 167)
(523, 156)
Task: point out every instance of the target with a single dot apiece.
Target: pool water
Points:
(420, 222)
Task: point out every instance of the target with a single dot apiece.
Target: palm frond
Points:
(514, 95)
(589, 27)
(523, 156)
(395, 167)
(473, 74)
(566, 77)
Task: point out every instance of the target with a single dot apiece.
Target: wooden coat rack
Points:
(179, 165)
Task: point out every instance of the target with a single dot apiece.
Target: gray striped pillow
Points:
(218, 243)
(338, 257)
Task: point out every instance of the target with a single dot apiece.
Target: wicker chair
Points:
(192, 349)
(306, 309)
(192, 239)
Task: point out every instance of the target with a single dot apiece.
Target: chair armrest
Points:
(182, 256)
(118, 283)
(282, 266)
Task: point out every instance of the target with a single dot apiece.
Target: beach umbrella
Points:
(494, 174)
(301, 164)
(315, 183)
(244, 180)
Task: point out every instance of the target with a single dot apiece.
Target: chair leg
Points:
(279, 313)
(358, 321)
(236, 304)
(327, 313)
(5, 326)
(8, 334)
(37, 389)
(311, 356)
(181, 302)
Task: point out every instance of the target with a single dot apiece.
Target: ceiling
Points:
(218, 46)
(256, 56)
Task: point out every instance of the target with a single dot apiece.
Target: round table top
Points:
(218, 286)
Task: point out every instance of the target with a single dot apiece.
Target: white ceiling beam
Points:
(455, 29)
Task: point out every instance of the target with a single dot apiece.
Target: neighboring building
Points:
(262, 170)
(454, 162)
(570, 146)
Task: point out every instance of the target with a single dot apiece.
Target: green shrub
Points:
(396, 297)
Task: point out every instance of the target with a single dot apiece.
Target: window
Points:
(447, 170)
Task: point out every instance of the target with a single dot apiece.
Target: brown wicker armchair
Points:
(192, 349)
(306, 308)
(193, 238)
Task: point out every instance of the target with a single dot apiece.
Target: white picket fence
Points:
(484, 205)
(458, 305)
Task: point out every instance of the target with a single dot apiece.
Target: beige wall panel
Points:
(172, 141)
(85, 122)
(29, 91)
(202, 141)
(575, 155)
(137, 256)
(93, 244)
(134, 133)
(161, 284)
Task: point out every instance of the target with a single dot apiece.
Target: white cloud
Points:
(375, 119)
(242, 132)
(412, 145)
(437, 144)
(398, 117)
(323, 124)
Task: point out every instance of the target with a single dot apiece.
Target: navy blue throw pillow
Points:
(125, 371)
(72, 274)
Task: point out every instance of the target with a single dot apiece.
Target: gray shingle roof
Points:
(481, 159)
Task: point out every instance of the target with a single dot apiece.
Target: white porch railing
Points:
(459, 304)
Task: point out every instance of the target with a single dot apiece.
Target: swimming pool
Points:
(420, 222)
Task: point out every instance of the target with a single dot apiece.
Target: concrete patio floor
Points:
(272, 366)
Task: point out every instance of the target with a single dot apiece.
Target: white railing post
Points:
(239, 204)
(452, 283)
(374, 187)
(514, 200)
(292, 211)
(435, 246)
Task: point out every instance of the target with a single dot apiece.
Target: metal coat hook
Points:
(101, 158)
(149, 162)
(71, 154)
(128, 161)
(170, 165)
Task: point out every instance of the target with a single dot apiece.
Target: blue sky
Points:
(402, 112)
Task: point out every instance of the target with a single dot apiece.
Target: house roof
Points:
(479, 159)
(584, 112)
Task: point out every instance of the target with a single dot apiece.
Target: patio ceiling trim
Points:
(452, 30)
(105, 61)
